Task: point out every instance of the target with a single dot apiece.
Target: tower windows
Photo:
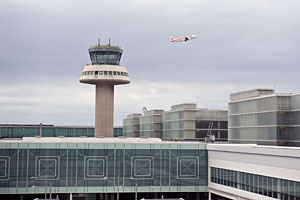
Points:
(111, 73)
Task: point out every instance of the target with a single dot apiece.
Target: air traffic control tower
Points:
(104, 72)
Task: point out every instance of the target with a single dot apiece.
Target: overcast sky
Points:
(240, 45)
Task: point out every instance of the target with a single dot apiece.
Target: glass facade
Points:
(118, 131)
(101, 167)
(105, 55)
(212, 122)
(179, 122)
(190, 123)
(184, 122)
(151, 124)
(267, 120)
(131, 125)
(263, 185)
(18, 131)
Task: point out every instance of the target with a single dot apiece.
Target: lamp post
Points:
(135, 187)
(118, 187)
(46, 185)
(50, 191)
(45, 191)
(135, 191)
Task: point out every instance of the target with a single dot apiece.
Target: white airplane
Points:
(183, 39)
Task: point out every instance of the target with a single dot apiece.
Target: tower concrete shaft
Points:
(104, 110)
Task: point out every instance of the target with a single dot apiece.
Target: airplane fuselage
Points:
(183, 39)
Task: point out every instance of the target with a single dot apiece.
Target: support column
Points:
(198, 196)
(101, 196)
(106, 196)
(112, 196)
(187, 196)
(21, 196)
(71, 196)
(209, 196)
(104, 110)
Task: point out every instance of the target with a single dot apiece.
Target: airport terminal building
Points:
(261, 116)
(102, 168)
(50, 130)
(100, 163)
(184, 121)
(136, 168)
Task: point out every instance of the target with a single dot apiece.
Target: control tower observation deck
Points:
(104, 72)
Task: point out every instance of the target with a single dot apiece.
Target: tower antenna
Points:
(99, 42)
(109, 42)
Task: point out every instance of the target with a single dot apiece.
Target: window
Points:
(110, 72)
(96, 72)
(101, 72)
(122, 73)
(105, 72)
(119, 73)
(115, 73)
(263, 185)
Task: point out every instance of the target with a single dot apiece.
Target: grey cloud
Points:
(245, 44)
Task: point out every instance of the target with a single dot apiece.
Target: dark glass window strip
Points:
(19, 132)
(105, 73)
(263, 185)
